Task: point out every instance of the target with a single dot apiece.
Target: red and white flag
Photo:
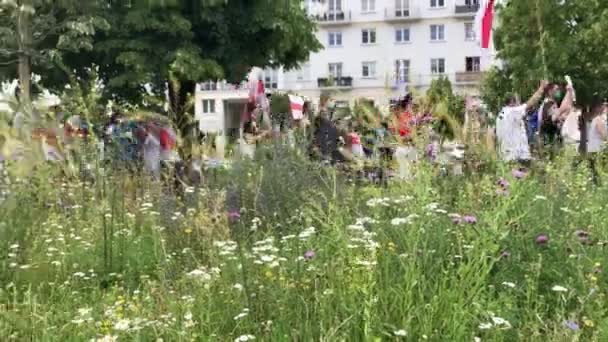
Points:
(486, 25)
(296, 104)
(485, 20)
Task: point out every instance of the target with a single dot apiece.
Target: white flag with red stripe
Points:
(296, 105)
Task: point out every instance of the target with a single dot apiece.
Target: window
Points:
(335, 38)
(341, 104)
(208, 106)
(437, 33)
(437, 3)
(471, 2)
(335, 70)
(402, 70)
(473, 64)
(209, 85)
(402, 8)
(368, 5)
(335, 6)
(402, 35)
(369, 69)
(368, 36)
(469, 31)
(271, 78)
(437, 66)
(304, 72)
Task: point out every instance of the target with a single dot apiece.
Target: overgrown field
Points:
(281, 249)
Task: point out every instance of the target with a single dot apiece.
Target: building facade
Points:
(376, 49)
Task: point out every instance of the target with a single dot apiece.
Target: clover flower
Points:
(542, 239)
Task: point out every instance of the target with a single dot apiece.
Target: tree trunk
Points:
(24, 39)
(583, 129)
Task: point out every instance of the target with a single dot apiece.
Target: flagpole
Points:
(543, 52)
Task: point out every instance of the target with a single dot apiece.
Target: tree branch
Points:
(9, 62)
(9, 52)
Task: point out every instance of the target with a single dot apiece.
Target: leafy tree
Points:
(495, 87)
(159, 47)
(34, 35)
(572, 42)
(441, 91)
(280, 109)
(153, 42)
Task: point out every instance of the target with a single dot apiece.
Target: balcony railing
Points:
(333, 18)
(341, 82)
(468, 77)
(219, 86)
(467, 9)
(401, 14)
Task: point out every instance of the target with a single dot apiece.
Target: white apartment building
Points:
(374, 49)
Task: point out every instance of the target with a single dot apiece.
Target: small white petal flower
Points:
(401, 333)
(508, 284)
(241, 315)
(558, 288)
(485, 326)
(122, 325)
(399, 221)
(499, 321)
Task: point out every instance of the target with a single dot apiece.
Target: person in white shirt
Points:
(151, 152)
(511, 128)
(597, 135)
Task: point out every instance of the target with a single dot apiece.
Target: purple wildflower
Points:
(430, 151)
(503, 183)
(572, 325)
(542, 239)
(470, 219)
(456, 219)
(309, 255)
(519, 173)
(505, 254)
(234, 215)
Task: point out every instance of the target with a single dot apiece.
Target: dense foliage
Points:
(441, 91)
(139, 47)
(570, 43)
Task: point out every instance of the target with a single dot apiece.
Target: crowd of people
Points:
(549, 121)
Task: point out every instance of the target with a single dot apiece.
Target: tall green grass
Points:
(312, 257)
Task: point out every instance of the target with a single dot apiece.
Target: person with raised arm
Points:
(511, 128)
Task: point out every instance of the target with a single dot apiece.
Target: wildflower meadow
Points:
(293, 251)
